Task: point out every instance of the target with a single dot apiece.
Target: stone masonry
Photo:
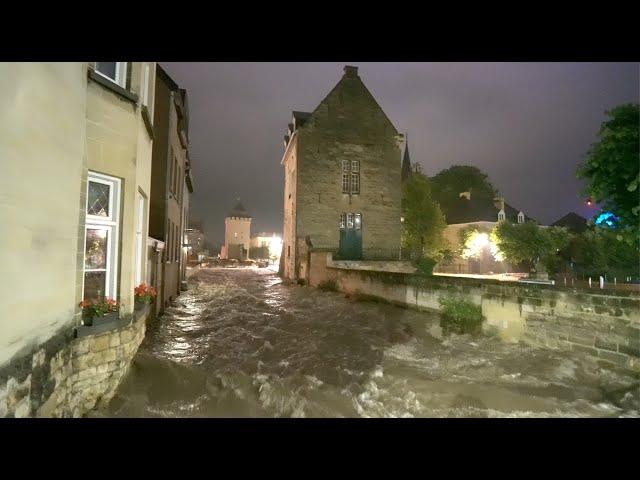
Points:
(347, 125)
(69, 377)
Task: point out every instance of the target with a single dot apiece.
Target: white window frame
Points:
(520, 217)
(121, 74)
(111, 224)
(140, 243)
(501, 216)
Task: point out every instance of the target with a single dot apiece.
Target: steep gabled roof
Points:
(465, 211)
(239, 211)
(406, 163)
(350, 74)
(574, 222)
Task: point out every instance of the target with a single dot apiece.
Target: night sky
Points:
(528, 125)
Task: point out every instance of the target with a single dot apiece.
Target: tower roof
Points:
(239, 211)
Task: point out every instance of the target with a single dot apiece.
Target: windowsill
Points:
(114, 87)
(147, 121)
(100, 327)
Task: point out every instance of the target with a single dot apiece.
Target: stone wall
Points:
(67, 376)
(601, 323)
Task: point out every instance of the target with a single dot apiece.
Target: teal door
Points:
(350, 236)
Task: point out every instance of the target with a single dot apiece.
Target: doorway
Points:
(350, 236)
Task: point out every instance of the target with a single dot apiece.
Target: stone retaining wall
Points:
(67, 376)
(601, 323)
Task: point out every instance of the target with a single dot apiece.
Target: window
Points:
(501, 215)
(355, 183)
(101, 237)
(288, 251)
(114, 71)
(358, 221)
(140, 238)
(343, 220)
(520, 217)
(351, 177)
(350, 220)
(345, 183)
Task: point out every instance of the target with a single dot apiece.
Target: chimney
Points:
(498, 202)
(350, 71)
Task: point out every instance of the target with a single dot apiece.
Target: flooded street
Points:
(239, 343)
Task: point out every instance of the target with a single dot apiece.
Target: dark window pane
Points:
(107, 68)
(94, 285)
(345, 183)
(98, 199)
(95, 253)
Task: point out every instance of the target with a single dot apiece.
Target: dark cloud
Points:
(528, 125)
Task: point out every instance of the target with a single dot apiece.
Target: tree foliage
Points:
(423, 219)
(449, 183)
(597, 252)
(528, 244)
(611, 169)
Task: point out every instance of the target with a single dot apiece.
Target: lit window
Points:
(501, 215)
(350, 220)
(114, 71)
(343, 220)
(101, 237)
(358, 221)
(520, 217)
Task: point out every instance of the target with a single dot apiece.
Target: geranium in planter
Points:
(144, 295)
(104, 310)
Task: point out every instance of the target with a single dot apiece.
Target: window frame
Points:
(121, 74)
(111, 225)
(146, 86)
(140, 243)
(354, 184)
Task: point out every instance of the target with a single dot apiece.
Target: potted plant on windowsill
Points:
(102, 310)
(144, 295)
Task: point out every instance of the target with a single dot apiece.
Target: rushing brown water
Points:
(239, 343)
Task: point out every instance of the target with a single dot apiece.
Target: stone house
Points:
(171, 182)
(343, 168)
(237, 234)
(469, 214)
(81, 133)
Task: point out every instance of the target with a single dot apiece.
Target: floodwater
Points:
(239, 343)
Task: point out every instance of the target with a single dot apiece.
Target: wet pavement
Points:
(239, 343)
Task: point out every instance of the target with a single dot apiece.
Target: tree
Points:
(448, 184)
(611, 169)
(529, 244)
(597, 252)
(423, 220)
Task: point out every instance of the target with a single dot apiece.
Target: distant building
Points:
(483, 216)
(343, 170)
(573, 222)
(265, 245)
(237, 234)
(195, 243)
(171, 182)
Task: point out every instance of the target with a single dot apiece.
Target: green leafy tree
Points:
(423, 220)
(597, 252)
(448, 184)
(611, 169)
(528, 244)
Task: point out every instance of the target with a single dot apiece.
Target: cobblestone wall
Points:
(66, 376)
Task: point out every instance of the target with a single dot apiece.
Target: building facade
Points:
(343, 169)
(473, 215)
(81, 133)
(170, 181)
(237, 234)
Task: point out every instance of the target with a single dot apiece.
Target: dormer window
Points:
(520, 217)
(501, 215)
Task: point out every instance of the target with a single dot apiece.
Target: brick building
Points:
(343, 167)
